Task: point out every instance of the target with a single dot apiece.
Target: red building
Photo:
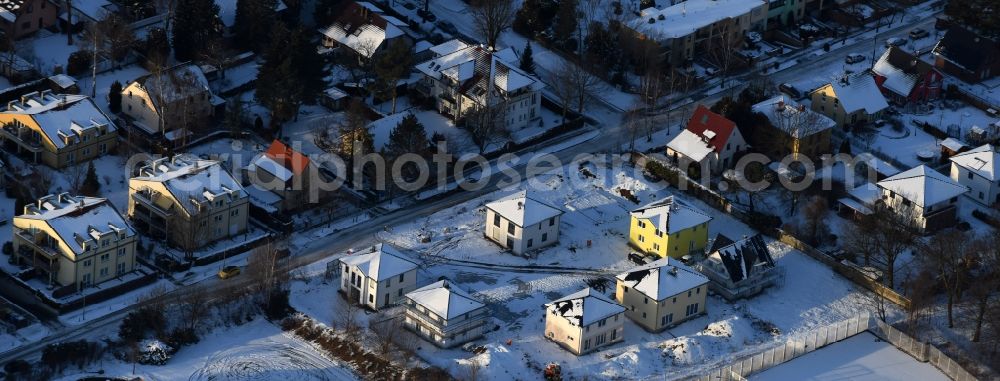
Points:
(905, 79)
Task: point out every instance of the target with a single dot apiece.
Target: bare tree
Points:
(883, 237)
(194, 306)
(491, 18)
(487, 124)
(724, 49)
(345, 316)
(266, 274)
(117, 36)
(948, 255)
(920, 292)
(384, 333)
(574, 85)
(815, 213)
(985, 281)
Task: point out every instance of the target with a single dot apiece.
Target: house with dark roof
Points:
(584, 321)
(710, 141)
(363, 29)
(662, 294)
(967, 55)
(740, 269)
(21, 18)
(905, 78)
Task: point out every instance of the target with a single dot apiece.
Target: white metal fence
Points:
(740, 369)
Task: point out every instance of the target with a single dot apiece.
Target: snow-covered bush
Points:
(154, 352)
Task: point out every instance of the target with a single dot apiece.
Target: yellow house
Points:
(176, 98)
(661, 294)
(71, 240)
(58, 130)
(851, 100)
(584, 321)
(669, 228)
(187, 201)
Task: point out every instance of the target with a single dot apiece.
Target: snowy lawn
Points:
(257, 350)
(598, 214)
(860, 357)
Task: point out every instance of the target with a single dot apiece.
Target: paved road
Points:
(611, 137)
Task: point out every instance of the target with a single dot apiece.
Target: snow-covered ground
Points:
(258, 350)
(593, 241)
(860, 357)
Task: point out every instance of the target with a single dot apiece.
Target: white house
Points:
(379, 278)
(710, 140)
(521, 224)
(584, 321)
(927, 195)
(444, 314)
(977, 169)
(364, 29)
(463, 77)
(662, 294)
(740, 269)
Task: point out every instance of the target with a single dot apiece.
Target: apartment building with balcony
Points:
(58, 130)
(378, 278)
(73, 240)
(444, 314)
(187, 201)
(462, 78)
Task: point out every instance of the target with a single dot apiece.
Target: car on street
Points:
(854, 58)
(918, 33)
(895, 41)
(787, 88)
(229, 272)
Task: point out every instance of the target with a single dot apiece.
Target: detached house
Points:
(521, 224)
(463, 78)
(362, 29)
(584, 321)
(187, 201)
(379, 278)
(669, 228)
(286, 173)
(445, 315)
(907, 79)
(740, 269)
(710, 140)
(977, 169)
(177, 99)
(688, 29)
(58, 130)
(74, 241)
(851, 100)
(923, 195)
(967, 55)
(20, 18)
(791, 128)
(661, 294)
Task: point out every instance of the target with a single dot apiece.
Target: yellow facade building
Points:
(57, 130)
(669, 228)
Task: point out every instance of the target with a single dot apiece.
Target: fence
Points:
(819, 338)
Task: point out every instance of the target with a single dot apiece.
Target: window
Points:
(496, 220)
(105, 257)
(970, 175)
(388, 282)
(399, 292)
(614, 335)
(645, 300)
(371, 298)
(667, 319)
(121, 269)
(600, 339)
(691, 309)
(86, 263)
(689, 293)
(643, 315)
(510, 228)
(586, 344)
(552, 221)
(234, 212)
(602, 323)
(104, 271)
(510, 242)
(401, 276)
(625, 289)
(656, 246)
(121, 252)
(641, 238)
(530, 242)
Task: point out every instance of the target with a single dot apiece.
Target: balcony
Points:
(39, 242)
(442, 325)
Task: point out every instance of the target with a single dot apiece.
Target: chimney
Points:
(781, 105)
(802, 108)
(520, 205)
(673, 271)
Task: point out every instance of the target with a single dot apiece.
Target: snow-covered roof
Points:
(867, 193)
(923, 186)
(687, 17)
(859, 92)
(789, 116)
(362, 27)
(880, 166)
(953, 144)
(227, 10)
(179, 82)
(62, 118)
(690, 145)
(94, 10)
(77, 219)
(8, 9)
(982, 160)
(744, 258)
(63, 80)
(444, 299)
(523, 210)
(662, 278)
(192, 181)
(671, 215)
(584, 307)
(384, 262)
(471, 66)
(263, 162)
(901, 70)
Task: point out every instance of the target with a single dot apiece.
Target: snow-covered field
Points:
(593, 241)
(860, 357)
(258, 350)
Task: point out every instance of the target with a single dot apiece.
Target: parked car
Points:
(918, 33)
(895, 41)
(229, 272)
(854, 58)
(790, 90)
(637, 258)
